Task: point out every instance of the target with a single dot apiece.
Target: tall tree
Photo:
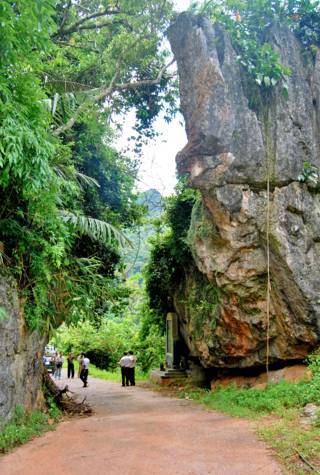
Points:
(109, 53)
(64, 66)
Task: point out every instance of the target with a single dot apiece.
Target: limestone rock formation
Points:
(20, 359)
(238, 140)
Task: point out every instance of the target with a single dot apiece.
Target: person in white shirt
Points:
(85, 370)
(131, 367)
(124, 363)
(80, 359)
(59, 364)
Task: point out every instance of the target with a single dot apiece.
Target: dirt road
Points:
(138, 432)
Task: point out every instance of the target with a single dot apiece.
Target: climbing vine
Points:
(202, 305)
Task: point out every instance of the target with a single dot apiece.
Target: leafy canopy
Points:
(65, 67)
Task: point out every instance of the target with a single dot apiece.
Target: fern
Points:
(66, 173)
(95, 228)
(61, 107)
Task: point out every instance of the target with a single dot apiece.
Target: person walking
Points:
(70, 360)
(85, 370)
(124, 365)
(80, 359)
(59, 364)
(131, 368)
(53, 364)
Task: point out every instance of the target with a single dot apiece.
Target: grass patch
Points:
(275, 398)
(25, 426)
(95, 372)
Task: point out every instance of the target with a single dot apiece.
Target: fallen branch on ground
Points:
(302, 457)
(65, 402)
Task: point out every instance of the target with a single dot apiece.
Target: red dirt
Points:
(138, 432)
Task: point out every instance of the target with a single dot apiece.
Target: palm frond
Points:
(61, 107)
(95, 228)
(88, 180)
(67, 173)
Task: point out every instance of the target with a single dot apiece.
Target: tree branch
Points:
(77, 24)
(86, 48)
(145, 82)
(66, 13)
(108, 91)
(70, 123)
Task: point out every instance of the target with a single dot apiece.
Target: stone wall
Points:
(237, 137)
(20, 360)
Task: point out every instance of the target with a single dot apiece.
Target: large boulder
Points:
(240, 140)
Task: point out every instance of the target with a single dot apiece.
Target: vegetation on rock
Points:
(170, 253)
(249, 24)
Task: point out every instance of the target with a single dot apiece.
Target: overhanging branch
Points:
(108, 91)
(79, 25)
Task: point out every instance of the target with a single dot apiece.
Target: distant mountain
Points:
(153, 200)
(137, 257)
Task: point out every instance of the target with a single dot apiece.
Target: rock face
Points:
(238, 140)
(20, 360)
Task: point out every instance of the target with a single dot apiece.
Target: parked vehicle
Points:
(48, 363)
(49, 350)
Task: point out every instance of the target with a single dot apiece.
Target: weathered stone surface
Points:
(293, 373)
(236, 139)
(310, 414)
(20, 360)
(229, 141)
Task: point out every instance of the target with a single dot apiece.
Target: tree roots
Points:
(64, 401)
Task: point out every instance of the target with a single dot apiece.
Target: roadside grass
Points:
(295, 444)
(95, 372)
(250, 403)
(276, 412)
(24, 426)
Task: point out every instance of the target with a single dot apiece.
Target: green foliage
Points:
(23, 426)
(150, 344)
(169, 253)
(249, 24)
(34, 239)
(119, 328)
(101, 48)
(310, 174)
(96, 229)
(53, 191)
(202, 305)
(136, 257)
(114, 375)
(113, 200)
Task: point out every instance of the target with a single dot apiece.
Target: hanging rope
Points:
(268, 275)
(268, 254)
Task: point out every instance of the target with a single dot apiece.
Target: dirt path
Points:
(137, 432)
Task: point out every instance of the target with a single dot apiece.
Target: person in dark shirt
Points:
(70, 360)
